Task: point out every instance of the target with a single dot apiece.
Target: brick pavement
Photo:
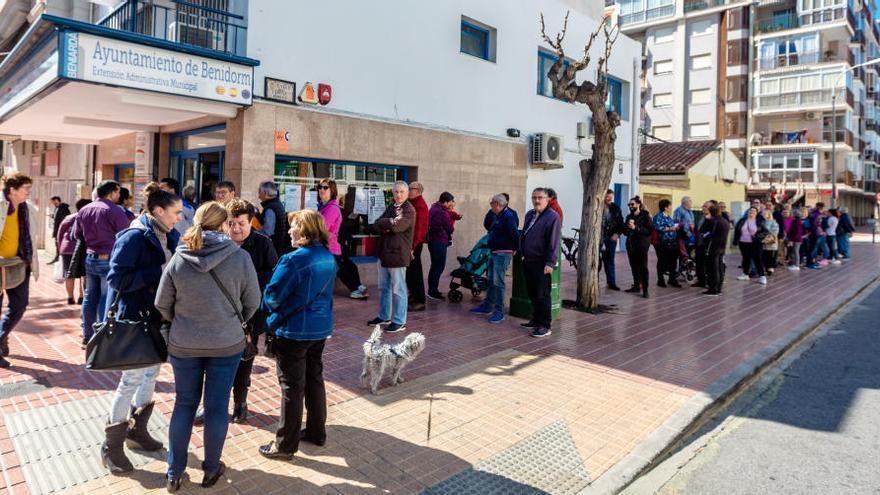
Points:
(478, 390)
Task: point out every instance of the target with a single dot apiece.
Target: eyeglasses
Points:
(324, 187)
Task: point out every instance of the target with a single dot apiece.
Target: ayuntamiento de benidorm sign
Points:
(86, 57)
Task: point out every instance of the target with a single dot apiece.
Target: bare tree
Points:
(595, 171)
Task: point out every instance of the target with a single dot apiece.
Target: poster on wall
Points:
(292, 197)
(52, 162)
(141, 158)
(361, 201)
(311, 200)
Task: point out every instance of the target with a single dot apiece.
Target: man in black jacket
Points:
(61, 212)
(612, 227)
(716, 244)
(273, 218)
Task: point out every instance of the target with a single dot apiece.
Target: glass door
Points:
(201, 171)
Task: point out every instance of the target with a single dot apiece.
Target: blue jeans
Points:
(843, 244)
(438, 264)
(822, 241)
(392, 291)
(608, 253)
(137, 384)
(94, 304)
(498, 263)
(217, 375)
(831, 240)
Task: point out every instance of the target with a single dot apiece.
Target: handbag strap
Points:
(228, 298)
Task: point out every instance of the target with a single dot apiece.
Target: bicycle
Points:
(570, 247)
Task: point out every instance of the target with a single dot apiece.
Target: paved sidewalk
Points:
(485, 406)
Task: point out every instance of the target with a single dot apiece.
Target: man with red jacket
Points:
(415, 281)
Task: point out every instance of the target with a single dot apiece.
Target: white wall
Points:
(401, 60)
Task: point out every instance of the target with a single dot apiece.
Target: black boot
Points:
(240, 412)
(138, 437)
(112, 453)
(4, 347)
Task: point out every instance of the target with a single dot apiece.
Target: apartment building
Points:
(448, 93)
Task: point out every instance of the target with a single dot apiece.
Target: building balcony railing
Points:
(647, 15)
(794, 21)
(695, 5)
(184, 22)
(793, 59)
(801, 99)
(784, 176)
(843, 136)
(803, 137)
(872, 125)
(870, 155)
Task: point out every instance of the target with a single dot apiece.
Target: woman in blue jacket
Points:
(139, 255)
(299, 305)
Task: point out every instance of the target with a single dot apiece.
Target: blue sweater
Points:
(541, 241)
(503, 230)
(296, 283)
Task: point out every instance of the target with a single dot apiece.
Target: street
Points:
(813, 429)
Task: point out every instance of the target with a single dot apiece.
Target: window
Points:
(663, 67)
(615, 95)
(701, 96)
(701, 62)
(702, 28)
(545, 61)
(477, 39)
(699, 131)
(664, 35)
(662, 100)
(662, 132)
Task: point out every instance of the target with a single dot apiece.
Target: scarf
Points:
(215, 237)
(25, 247)
(161, 233)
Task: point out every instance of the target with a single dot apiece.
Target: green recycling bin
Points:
(520, 305)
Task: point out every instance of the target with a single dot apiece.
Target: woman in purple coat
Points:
(440, 228)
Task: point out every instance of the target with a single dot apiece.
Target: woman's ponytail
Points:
(211, 216)
(193, 237)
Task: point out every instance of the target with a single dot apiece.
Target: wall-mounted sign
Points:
(308, 94)
(52, 162)
(37, 165)
(278, 90)
(325, 93)
(282, 141)
(104, 60)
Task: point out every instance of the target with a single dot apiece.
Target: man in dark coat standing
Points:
(612, 227)
(415, 280)
(61, 212)
(539, 246)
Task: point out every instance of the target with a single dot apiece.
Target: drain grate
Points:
(23, 388)
(545, 462)
(58, 446)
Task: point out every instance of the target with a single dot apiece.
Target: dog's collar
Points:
(394, 351)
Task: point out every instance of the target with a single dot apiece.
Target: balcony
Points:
(695, 5)
(647, 15)
(794, 21)
(795, 59)
(870, 155)
(801, 99)
(844, 136)
(872, 125)
(184, 22)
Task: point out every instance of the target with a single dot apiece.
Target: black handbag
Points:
(119, 345)
(250, 348)
(77, 268)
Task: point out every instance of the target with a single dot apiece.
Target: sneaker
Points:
(482, 309)
(762, 280)
(394, 328)
(613, 287)
(711, 293)
(436, 296)
(743, 277)
(496, 317)
(529, 324)
(541, 332)
(794, 268)
(823, 263)
(4, 363)
(814, 266)
(360, 293)
(836, 262)
(378, 321)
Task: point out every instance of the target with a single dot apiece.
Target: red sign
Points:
(325, 92)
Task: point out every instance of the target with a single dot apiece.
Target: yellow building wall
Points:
(701, 188)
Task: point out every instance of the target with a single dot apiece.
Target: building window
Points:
(477, 39)
(701, 96)
(662, 132)
(545, 61)
(701, 62)
(662, 100)
(664, 35)
(702, 28)
(615, 96)
(699, 131)
(663, 67)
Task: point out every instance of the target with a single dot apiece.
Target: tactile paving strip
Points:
(59, 446)
(547, 462)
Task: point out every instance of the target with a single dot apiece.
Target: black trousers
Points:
(301, 375)
(17, 303)
(751, 256)
(242, 381)
(415, 280)
(667, 260)
(348, 273)
(769, 257)
(538, 287)
(637, 252)
(714, 270)
(700, 260)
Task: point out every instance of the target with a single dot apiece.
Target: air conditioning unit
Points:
(547, 150)
(193, 34)
(812, 115)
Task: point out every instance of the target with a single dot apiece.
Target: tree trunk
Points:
(595, 177)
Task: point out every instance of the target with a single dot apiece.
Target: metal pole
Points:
(833, 148)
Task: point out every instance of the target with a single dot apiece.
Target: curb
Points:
(706, 404)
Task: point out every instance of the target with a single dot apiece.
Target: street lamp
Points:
(834, 127)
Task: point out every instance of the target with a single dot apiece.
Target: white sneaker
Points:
(836, 262)
(794, 268)
(762, 280)
(743, 277)
(360, 293)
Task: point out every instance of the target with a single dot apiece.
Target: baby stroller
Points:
(471, 273)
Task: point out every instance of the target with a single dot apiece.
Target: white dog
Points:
(378, 356)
